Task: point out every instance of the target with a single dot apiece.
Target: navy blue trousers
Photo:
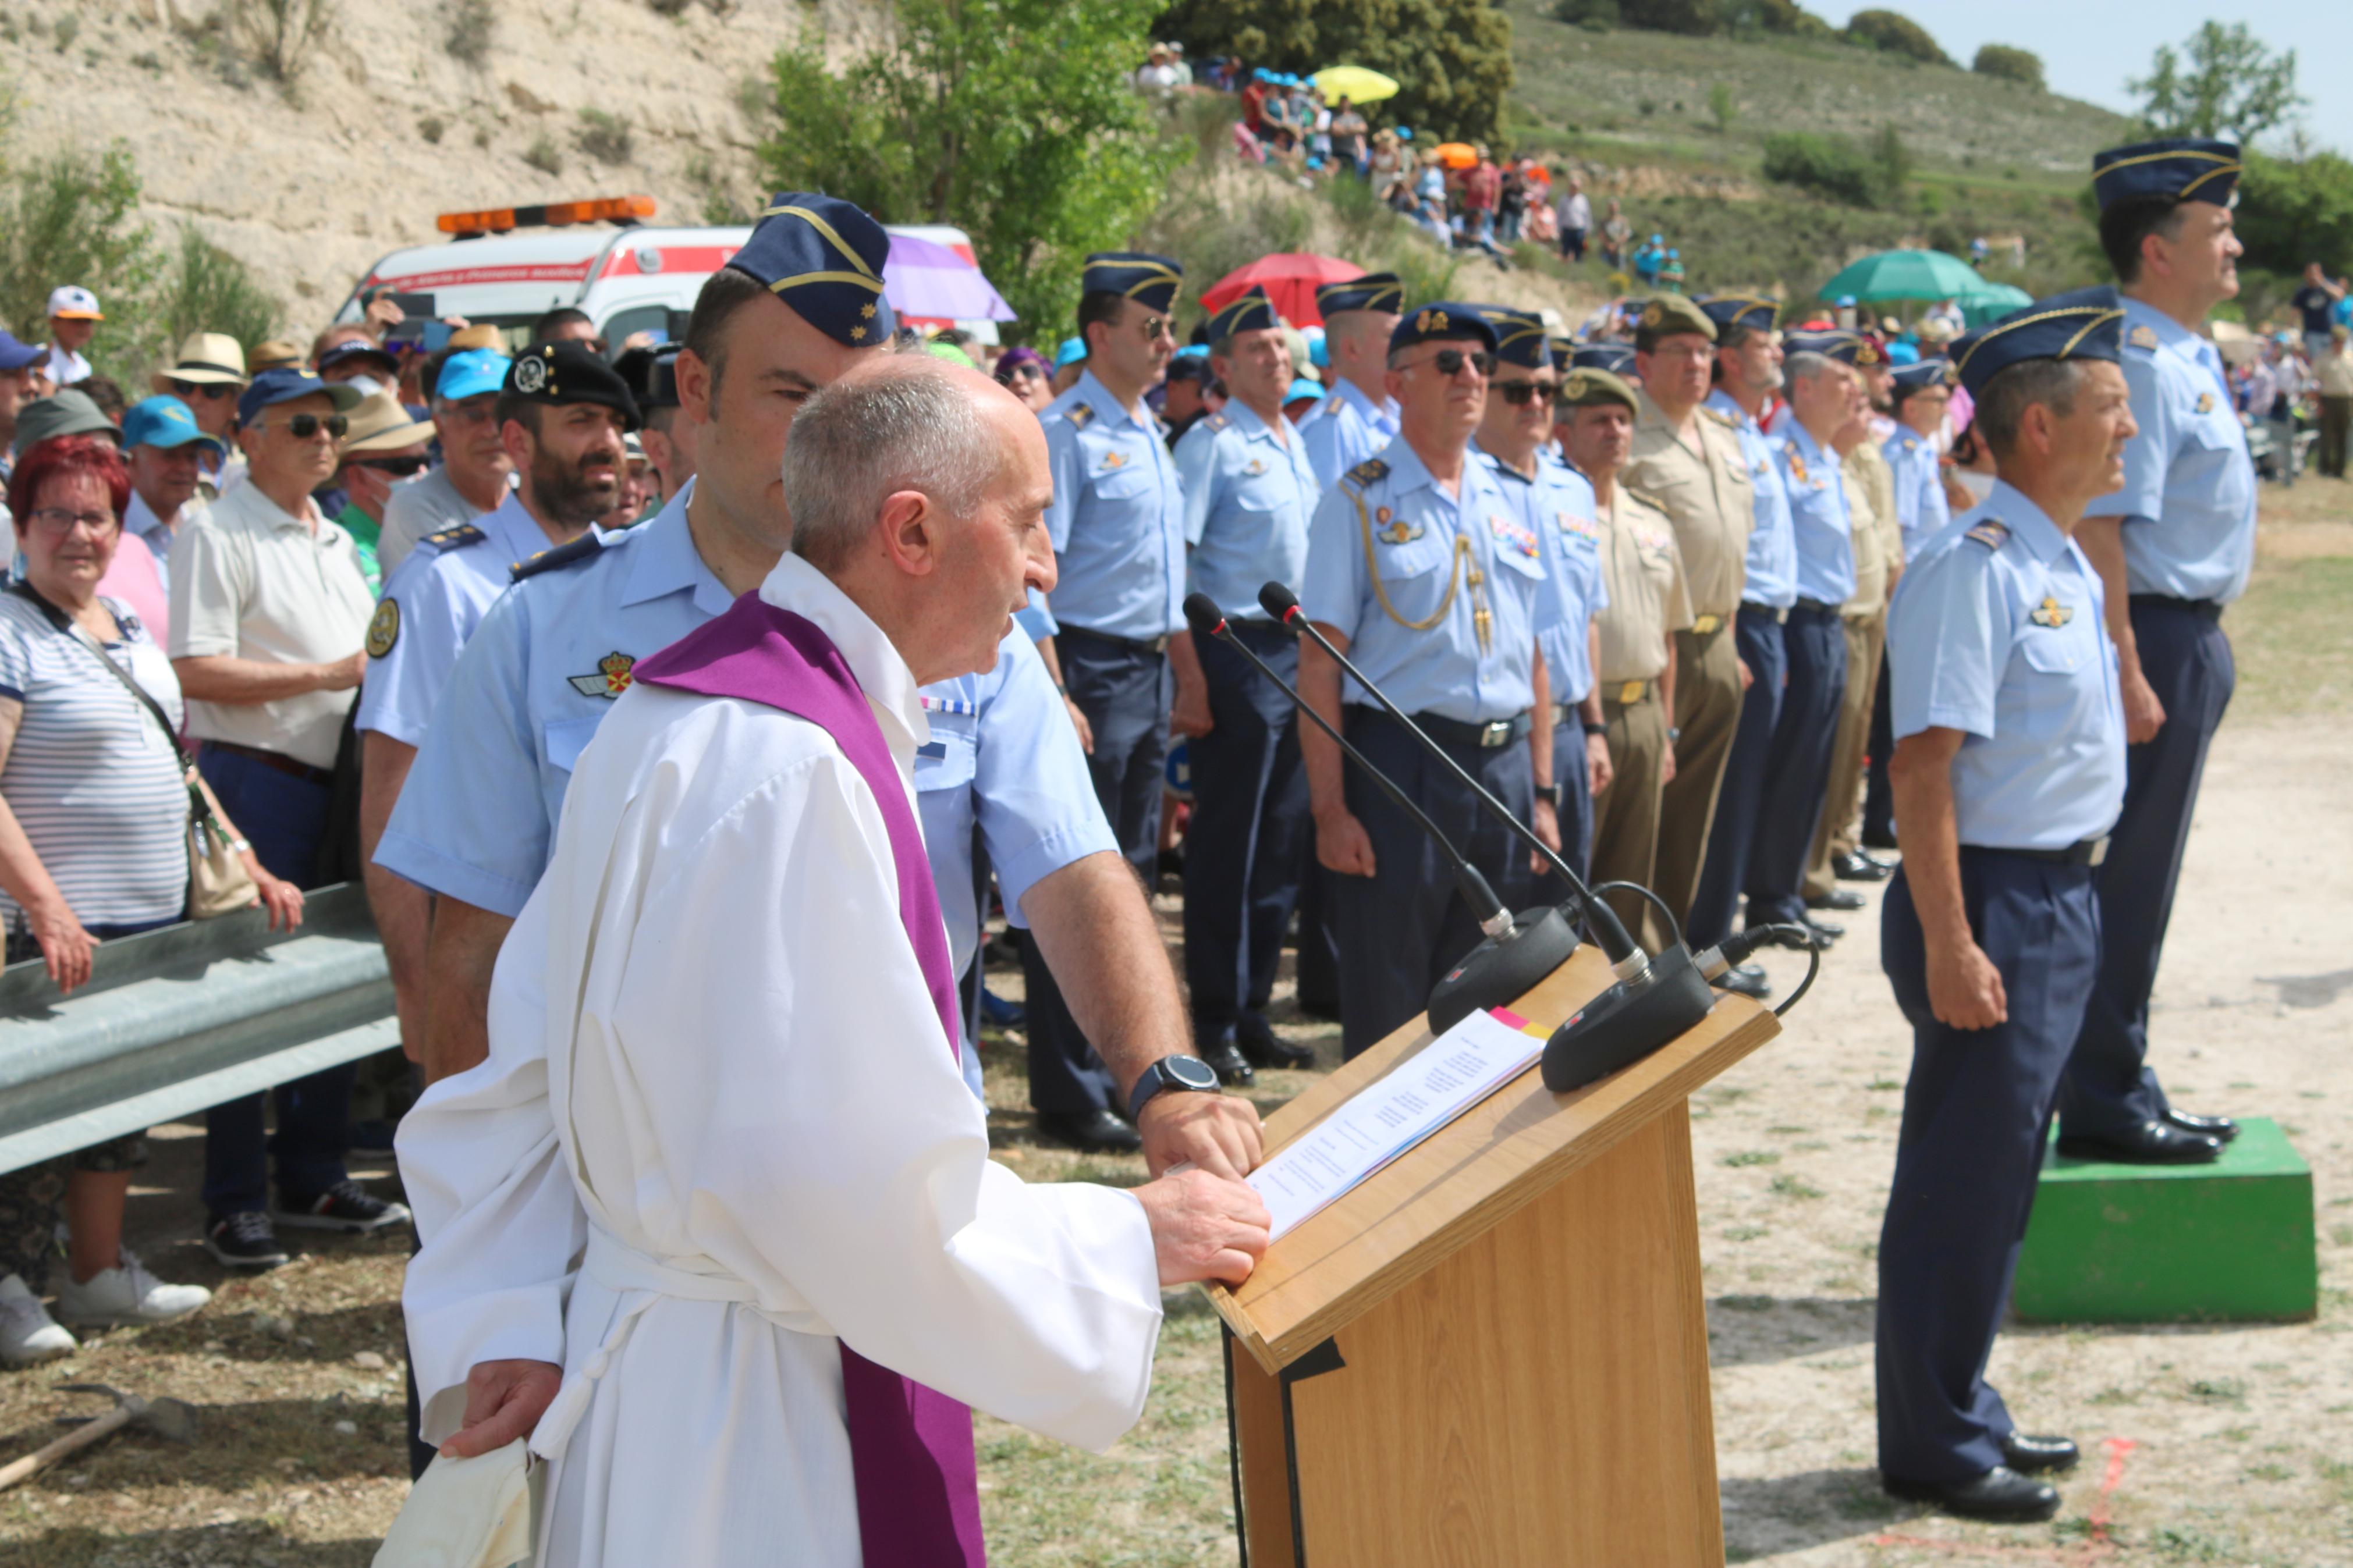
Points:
(1740, 802)
(1976, 1113)
(2110, 1087)
(1249, 824)
(1797, 767)
(1401, 928)
(283, 817)
(1878, 749)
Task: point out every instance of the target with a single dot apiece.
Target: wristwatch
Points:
(1171, 1073)
(1550, 795)
(1592, 728)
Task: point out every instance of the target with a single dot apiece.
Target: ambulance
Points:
(507, 267)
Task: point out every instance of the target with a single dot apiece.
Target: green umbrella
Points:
(1991, 301)
(1905, 275)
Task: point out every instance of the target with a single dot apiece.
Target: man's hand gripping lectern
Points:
(1493, 1354)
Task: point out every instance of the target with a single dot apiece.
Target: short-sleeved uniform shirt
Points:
(425, 504)
(1818, 520)
(1249, 494)
(1643, 573)
(91, 777)
(1995, 631)
(252, 581)
(1558, 505)
(1117, 520)
(1769, 571)
(2188, 495)
(1345, 429)
(1403, 569)
(431, 608)
(1703, 485)
(1921, 509)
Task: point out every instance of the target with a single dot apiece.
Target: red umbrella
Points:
(1291, 281)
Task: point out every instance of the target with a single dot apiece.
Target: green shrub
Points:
(206, 289)
(473, 27)
(545, 155)
(605, 137)
(1895, 33)
(71, 217)
(280, 34)
(2023, 66)
(1698, 18)
(1829, 166)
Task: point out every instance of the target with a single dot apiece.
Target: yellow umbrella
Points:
(1355, 83)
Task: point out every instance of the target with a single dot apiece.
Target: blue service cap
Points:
(1446, 321)
(284, 385)
(1372, 291)
(1921, 373)
(471, 374)
(824, 257)
(1752, 312)
(164, 421)
(1150, 281)
(1519, 337)
(1246, 312)
(14, 355)
(1072, 351)
(1618, 359)
(2182, 169)
(1841, 344)
(2082, 324)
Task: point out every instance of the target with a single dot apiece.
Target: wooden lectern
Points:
(1493, 1352)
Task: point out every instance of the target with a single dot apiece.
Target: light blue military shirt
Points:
(2189, 497)
(1772, 561)
(1117, 520)
(1819, 520)
(1558, 504)
(1345, 429)
(1247, 498)
(1403, 569)
(1996, 630)
(429, 611)
(1921, 509)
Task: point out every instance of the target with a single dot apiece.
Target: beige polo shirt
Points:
(251, 582)
(1643, 568)
(1705, 488)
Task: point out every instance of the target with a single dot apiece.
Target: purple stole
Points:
(910, 1448)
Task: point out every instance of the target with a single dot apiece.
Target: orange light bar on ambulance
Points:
(553, 215)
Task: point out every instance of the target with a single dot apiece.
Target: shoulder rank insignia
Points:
(584, 548)
(384, 627)
(612, 677)
(2205, 403)
(2142, 337)
(1371, 471)
(1080, 415)
(1114, 460)
(1720, 417)
(455, 538)
(1992, 534)
(2053, 613)
(1217, 421)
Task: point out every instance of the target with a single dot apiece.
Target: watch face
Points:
(1192, 1072)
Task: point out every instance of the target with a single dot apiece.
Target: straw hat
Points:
(214, 358)
(276, 353)
(380, 424)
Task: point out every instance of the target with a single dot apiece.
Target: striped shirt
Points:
(90, 777)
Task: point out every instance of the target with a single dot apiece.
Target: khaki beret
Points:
(1585, 388)
(1663, 315)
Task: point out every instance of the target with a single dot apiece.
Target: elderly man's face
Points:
(166, 477)
(1444, 384)
(470, 442)
(1256, 366)
(992, 560)
(277, 453)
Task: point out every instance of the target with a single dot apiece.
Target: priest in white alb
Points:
(714, 1226)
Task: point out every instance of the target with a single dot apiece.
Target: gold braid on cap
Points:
(2224, 164)
(1164, 275)
(863, 278)
(2099, 319)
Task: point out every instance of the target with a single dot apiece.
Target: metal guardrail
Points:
(177, 1020)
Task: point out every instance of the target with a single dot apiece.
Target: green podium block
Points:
(2155, 1244)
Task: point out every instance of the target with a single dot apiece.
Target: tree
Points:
(2229, 83)
(1452, 57)
(1895, 33)
(71, 217)
(2292, 213)
(1699, 18)
(1010, 118)
(2022, 66)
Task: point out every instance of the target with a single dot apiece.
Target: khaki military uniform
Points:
(1708, 494)
(1878, 558)
(1649, 603)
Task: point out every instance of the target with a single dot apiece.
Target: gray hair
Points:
(2002, 403)
(1807, 366)
(908, 426)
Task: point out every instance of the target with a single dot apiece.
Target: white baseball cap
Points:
(75, 302)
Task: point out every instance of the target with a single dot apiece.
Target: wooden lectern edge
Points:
(1611, 1108)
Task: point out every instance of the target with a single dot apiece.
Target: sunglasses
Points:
(1025, 371)
(398, 467)
(1158, 327)
(302, 426)
(1520, 394)
(211, 391)
(1450, 362)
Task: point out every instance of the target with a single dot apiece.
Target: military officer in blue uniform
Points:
(2008, 773)
(1921, 394)
(1359, 417)
(562, 414)
(2174, 545)
(1557, 503)
(1421, 569)
(1747, 376)
(1249, 493)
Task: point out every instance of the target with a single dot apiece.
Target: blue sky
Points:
(2088, 50)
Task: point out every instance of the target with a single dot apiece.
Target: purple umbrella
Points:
(928, 280)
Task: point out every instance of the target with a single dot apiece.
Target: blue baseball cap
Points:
(272, 386)
(471, 374)
(165, 422)
(1303, 388)
(1072, 351)
(14, 355)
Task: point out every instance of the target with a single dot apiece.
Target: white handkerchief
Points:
(466, 1513)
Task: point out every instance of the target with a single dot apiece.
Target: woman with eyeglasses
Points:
(1024, 373)
(93, 846)
(383, 449)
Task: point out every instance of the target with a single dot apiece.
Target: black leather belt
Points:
(2089, 852)
(277, 760)
(1777, 613)
(2204, 609)
(1474, 737)
(1132, 644)
(1814, 607)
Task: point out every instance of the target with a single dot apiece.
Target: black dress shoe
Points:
(2220, 1127)
(2027, 1456)
(2150, 1144)
(1265, 1049)
(1837, 898)
(1232, 1069)
(1089, 1131)
(1825, 931)
(2001, 1495)
(1748, 979)
(1874, 840)
(1856, 867)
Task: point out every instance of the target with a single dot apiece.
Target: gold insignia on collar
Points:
(2053, 613)
(384, 629)
(2143, 337)
(612, 677)
(2205, 403)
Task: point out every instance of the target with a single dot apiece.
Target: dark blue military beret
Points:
(1442, 320)
(1373, 291)
(1730, 310)
(824, 257)
(1618, 359)
(2183, 169)
(1150, 281)
(2082, 324)
(1926, 373)
(1244, 313)
(1519, 337)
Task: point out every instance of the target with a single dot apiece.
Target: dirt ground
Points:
(2227, 1444)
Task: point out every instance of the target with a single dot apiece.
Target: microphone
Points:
(1514, 954)
(1653, 999)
